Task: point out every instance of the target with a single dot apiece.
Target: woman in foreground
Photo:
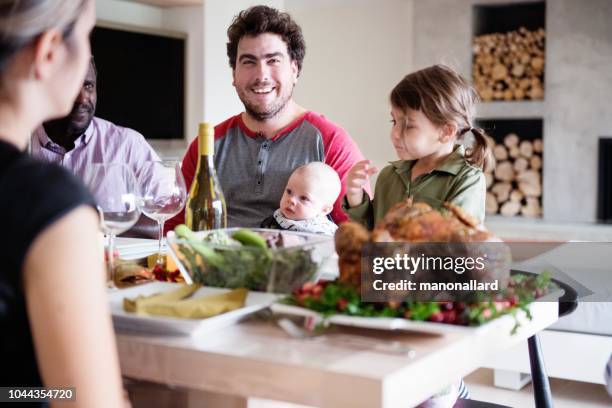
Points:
(55, 323)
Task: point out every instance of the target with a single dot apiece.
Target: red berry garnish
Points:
(316, 290)
(450, 316)
(436, 317)
(308, 286)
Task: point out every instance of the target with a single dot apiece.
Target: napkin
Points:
(180, 303)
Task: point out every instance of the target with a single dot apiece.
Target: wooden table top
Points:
(257, 359)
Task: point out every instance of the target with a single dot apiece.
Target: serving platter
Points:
(396, 323)
(126, 321)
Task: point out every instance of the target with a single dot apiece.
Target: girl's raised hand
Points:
(356, 178)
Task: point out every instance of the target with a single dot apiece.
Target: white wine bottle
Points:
(206, 208)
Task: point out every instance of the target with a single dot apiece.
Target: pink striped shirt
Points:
(102, 142)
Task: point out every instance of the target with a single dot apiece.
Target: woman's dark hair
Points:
(445, 97)
(263, 19)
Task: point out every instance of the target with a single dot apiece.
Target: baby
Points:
(308, 198)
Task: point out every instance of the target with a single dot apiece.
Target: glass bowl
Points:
(301, 258)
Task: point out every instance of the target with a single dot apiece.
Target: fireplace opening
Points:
(604, 180)
(508, 51)
(514, 184)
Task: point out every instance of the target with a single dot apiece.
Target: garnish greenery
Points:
(330, 298)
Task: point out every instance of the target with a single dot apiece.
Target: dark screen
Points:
(501, 18)
(140, 81)
(604, 205)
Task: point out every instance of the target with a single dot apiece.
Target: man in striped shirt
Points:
(80, 139)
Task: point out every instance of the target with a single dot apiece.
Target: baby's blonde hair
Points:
(326, 177)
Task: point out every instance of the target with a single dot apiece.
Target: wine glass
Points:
(114, 187)
(163, 193)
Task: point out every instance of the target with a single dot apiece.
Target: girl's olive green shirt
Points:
(454, 180)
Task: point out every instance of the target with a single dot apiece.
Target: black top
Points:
(33, 196)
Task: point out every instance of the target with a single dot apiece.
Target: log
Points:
(518, 70)
(519, 94)
(538, 146)
(486, 94)
(516, 195)
(502, 191)
(491, 205)
(499, 72)
(528, 176)
(500, 152)
(529, 183)
(511, 140)
(510, 208)
(504, 171)
(537, 63)
(536, 92)
(514, 152)
(532, 208)
(530, 190)
(524, 83)
(520, 164)
(535, 162)
(526, 149)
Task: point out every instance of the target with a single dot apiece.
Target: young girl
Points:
(431, 109)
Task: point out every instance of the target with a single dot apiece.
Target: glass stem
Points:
(160, 224)
(111, 259)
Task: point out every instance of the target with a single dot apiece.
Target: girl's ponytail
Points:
(481, 153)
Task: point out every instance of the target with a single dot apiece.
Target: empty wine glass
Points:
(163, 193)
(114, 187)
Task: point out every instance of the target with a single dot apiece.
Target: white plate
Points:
(378, 323)
(125, 321)
(137, 248)
(396, 323)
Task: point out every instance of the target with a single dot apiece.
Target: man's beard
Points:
(262, 115)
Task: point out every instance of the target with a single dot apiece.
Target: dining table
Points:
(255, 358)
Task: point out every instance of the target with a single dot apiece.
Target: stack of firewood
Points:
(514, 186)
(509, 66)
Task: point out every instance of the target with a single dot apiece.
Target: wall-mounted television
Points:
(141, 80)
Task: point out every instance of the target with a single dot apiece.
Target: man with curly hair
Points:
(257, 150)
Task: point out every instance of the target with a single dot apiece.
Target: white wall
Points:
(129, 13)
(357, 50)
(189, 20)
(220, 99)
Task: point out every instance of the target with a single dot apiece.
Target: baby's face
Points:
(302, 200)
